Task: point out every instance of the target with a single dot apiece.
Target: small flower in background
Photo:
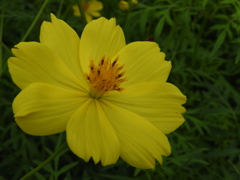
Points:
(90, 7)
(123, 5)
(112, 99)
(134, 2)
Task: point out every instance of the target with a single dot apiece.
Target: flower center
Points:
(85, 5)
(104, 77)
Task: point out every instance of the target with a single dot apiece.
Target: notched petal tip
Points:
(101, 37)
(53, 17)
(105, 20)
(113, 19)
(15, 47)
(18, 46)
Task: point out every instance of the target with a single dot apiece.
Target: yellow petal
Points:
(94, 6)
(100, 38)
(95, 14)
(143, 63)
(88, 17)
(141, 143)
(89, 134)
(159, 103)
(44, 109)
(35, 62)
(76, 11)
(64, 42)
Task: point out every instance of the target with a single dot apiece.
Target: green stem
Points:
(197, 43)
(81, 11)
(60, 8)
(171, 33)
(5, 47)
(169, 38)
(60, 149)
(1, 32)
(35, 20)
(4, 66)
(66, 11)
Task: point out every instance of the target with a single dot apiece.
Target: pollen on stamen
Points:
(102, 61)
(114, 62)
(105, 76)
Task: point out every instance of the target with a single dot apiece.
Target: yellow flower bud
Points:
(134, 2)
(123, 5)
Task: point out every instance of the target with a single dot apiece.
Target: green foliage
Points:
(202, 40)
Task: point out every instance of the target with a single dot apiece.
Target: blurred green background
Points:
(201, 38)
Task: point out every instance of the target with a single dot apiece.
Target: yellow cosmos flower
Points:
(91, 9)
(112, 99)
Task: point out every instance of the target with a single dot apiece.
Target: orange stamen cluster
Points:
(85, 5)
(106, 76)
